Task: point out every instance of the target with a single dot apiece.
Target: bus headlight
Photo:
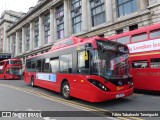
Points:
(98, 84)
(131, 84)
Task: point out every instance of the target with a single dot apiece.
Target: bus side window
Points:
(83, 62)
(39, 66)
(46, 65)
(140, 64)
(28, 66)
(54, 62)
(155, 63)
(66, 63)
(33, 66)
(155, 34)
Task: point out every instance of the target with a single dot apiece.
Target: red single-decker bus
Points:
(90, 69)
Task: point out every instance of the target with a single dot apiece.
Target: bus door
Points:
(83, 70)
(1, 74)
(30, 71)
(2, 68)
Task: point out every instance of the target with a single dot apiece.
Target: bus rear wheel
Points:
(32, 81)
(66, 90)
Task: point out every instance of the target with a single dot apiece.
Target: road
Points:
(15, 95)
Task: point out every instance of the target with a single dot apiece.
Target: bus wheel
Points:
(32, 81)
(66, 90)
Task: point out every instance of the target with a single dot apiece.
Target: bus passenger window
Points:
(28, 66)
(155, 63)
(54, 65)
(124, 40)
(46, 65)
(140, 64)
(66, 63)
(39, 66)
(155, 34)
(139, 37)
(33, 66)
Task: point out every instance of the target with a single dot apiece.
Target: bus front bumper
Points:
(102, 96)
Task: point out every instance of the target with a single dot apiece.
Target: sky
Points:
(17, 5)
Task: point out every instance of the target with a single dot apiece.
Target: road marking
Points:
(98, 111)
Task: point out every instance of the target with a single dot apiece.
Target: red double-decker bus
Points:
(91, 69)
(144, 46)
(11, 69)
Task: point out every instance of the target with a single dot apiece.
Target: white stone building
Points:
(8, 18)
(53, 20)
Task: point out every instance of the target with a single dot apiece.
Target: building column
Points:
(109, 11)
(31, 36)
(4, 39)
(143, 4)
(17, 43)
(41, 32)
(85, 15)
(67, 22)
(11, 44)
(23, 40)
(7, 44)
(52, 25)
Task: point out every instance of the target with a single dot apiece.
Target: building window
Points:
(133, 27)
(97, 12)
(47, 28)
(27, 37)
(36, 33)
(76, 13)
(60, 21)
(119, 31)
(20, 42)
(126, 7)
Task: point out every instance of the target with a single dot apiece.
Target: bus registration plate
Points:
(120, 95)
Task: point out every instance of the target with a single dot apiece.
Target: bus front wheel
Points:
(66, 90)
(32, 81)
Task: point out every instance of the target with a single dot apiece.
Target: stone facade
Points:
(8, 18)
(45, 30)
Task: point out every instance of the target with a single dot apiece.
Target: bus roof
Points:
(69, 42)
(17, 59)
(137, 31)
